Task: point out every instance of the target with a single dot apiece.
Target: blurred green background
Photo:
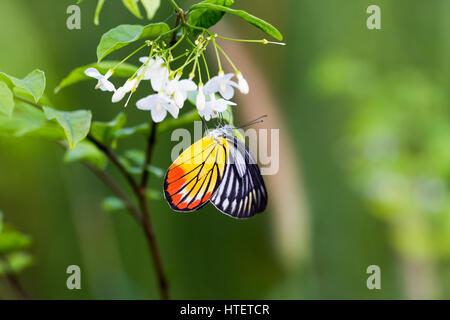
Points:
(366, 113)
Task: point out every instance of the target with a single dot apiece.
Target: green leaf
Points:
(133, 7)
(137, 156)
(111, 204)
(157, 172)
(86, 151)
(106, 132)
(134, 160)
(257, 22)
(125, 70)
(6, 99)
(206, 18)
(131, 168)
(12, 240)
(33, 83)
(76, 124)
(125, 34)
(25, 120)
(19, 261)
(98, 9)
(151, 6)
(152, 194)
(127, 132)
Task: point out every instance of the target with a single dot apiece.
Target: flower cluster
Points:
(170, 91)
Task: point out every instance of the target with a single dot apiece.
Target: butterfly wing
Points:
(193, 177)
(242, 192)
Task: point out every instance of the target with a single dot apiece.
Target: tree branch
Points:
(113, 157)
(147, 223)
(14, 282)
(148, 157)
(16, 286)
(176, 7)
(102, 175)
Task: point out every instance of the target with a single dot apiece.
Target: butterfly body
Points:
(218, 169)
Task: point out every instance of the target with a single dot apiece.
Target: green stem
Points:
(263, 41)
(218, 56)
(226, 56)
(206, 66)
(176, 6)
(129, 56)
(179, 11)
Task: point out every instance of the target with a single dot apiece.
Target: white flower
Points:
(156, 71)
(122, 91)
(178, 89)
(221, 83)
(158, 104)
(103, 83)
(243, 84)
(201, 100)
(213, 107)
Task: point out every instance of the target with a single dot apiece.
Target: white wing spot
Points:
(225, 204)
(233, 206)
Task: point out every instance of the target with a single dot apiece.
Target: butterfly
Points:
(219, 169)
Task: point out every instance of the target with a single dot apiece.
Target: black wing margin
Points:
(242, 192)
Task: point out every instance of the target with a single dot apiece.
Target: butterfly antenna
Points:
(257, 120)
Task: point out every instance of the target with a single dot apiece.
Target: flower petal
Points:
(93, 73)
(200, 100)
(158, 116)
(212, 86)
(147, 103)
(179, 98)
(228, 93)
(228, 76)
(187, 85)
(173, 109)
(106, 85)
(118, 95)
(159, 79)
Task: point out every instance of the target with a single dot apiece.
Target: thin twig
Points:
(14, 282)
(148, 156)
(113, 157)
(147, 223)
(102, 175)
(16, 286)
(173, 40)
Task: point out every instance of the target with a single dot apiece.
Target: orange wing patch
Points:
(193, 177)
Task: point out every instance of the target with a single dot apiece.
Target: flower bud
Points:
(201, 100)
(109, 74)
(118, 95)
(243, 84)
(122, 91)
